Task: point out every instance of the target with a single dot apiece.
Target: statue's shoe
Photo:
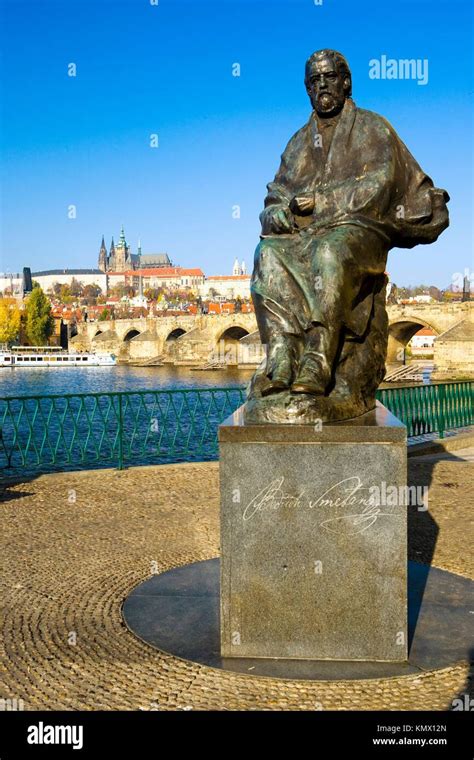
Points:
(313, 377)
(274, 386)
(282, 352)
(312, 388)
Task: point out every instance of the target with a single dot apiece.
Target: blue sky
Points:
(166, 69)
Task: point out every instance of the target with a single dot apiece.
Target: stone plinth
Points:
(313, 539)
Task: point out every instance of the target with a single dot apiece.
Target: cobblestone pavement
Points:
(77, 543)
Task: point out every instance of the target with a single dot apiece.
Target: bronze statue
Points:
(346, 192)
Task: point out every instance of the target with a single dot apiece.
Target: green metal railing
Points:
(45, 433)
(433, 408)
(106, 429)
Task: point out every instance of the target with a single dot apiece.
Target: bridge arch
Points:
(233, 333)
(400, 332)
(228, 347)
(131, 333)
(175, 334)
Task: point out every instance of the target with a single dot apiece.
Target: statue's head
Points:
(328, 81)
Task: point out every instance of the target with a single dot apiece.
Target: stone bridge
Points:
(179, 340)
(233, 339)
(406, 320)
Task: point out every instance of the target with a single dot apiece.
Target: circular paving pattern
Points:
(178, 612)
(76, 544)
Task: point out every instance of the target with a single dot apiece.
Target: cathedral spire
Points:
(103, 256)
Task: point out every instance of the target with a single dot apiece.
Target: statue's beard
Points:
(326, 104)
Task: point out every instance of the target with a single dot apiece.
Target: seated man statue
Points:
(347, 191)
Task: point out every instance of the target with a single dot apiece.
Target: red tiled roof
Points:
(228, 277)
(159, 272)
(425, 331)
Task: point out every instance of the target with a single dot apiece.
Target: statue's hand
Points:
(279, 220)
(303, 204)
(283, 220)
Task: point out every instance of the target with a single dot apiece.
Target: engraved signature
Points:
(271, 497)
(360, 521)
(348, 492)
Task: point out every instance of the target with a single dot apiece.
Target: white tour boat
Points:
(52, 356)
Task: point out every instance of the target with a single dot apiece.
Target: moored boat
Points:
(52, 356)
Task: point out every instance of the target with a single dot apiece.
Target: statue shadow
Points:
(464, 699)
(6, 494)
(422, 529)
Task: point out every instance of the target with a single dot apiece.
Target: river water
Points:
(60, 429)
(40, 382)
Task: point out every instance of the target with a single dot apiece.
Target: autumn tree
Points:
(75, 288)
(120, 290)
(9, 320)
(435, 293)
(90, 293)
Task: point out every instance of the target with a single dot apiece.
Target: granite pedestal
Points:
(313, 539)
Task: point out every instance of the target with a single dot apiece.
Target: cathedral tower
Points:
(103, 256)
(111, 259)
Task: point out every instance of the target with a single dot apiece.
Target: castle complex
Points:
(121, 259)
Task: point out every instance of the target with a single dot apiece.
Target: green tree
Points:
(104, 314)
(9, 320)
(420, 290)
(39, 320)
(65, 294)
